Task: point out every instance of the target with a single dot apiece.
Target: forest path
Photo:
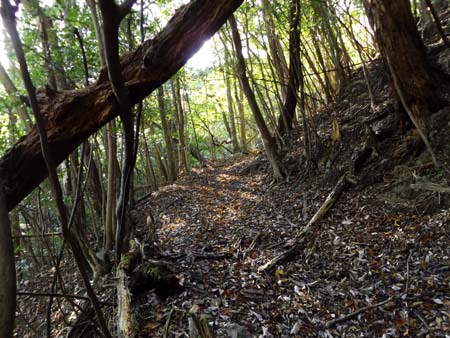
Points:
(217, 227)
(211, 210)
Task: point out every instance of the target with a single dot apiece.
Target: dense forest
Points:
(224, 168)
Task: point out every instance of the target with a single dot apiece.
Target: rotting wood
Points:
(127, 325)
(299, 242)
(72, 116)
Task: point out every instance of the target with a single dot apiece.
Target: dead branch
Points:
(167, 325)
(50, 294)
(333, 322)
(309, 228)
(126, 321)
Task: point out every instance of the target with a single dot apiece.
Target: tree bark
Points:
(276, 51)
(232, 114)
(323, 15)
(109, 220)
(8, 273)
(242, 127)
(270, 145)
(181, 121)
(72, 116)
(167, 133)
(287, 116)
(402, 48)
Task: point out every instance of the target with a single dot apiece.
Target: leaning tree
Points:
(70, 117)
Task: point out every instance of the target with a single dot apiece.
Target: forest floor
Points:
(379, 255)
(217, 227)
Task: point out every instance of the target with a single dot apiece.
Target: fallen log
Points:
(72, 116)
(302, 236)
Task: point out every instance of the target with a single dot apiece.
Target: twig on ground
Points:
(211, 255)
(252, 244)
(407, 275)
(167, 325)
(351, 315)
(43, 294)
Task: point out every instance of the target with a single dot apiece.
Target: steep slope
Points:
(380, 254)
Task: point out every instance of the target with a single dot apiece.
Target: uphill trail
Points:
(217, 226)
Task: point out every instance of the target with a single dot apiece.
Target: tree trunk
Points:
(110, 220)
(402, 48)
(8, 273)
(71, 116)
(323, 14)
(242, 126)
(320, 59)
(270, 145)
(167, 133)
(181, 124)
(13, 93)
(232, 114)
(276, 51)
(152, 181)
(287, 116)
(95, 182)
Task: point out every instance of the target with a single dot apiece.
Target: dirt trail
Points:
(217, 227)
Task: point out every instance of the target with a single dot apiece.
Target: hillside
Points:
(382, 247)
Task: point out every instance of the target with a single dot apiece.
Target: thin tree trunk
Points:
(151, 176)
(167, 133)
(321, 62)
(359, 50)
(181, 124)
(268, 140)
(322, 12)
(232, 114)
(242, 122)
(13, 93)
(287, 116)
(110, 219)
(276, 51)
(313, 68)
(164, 173)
